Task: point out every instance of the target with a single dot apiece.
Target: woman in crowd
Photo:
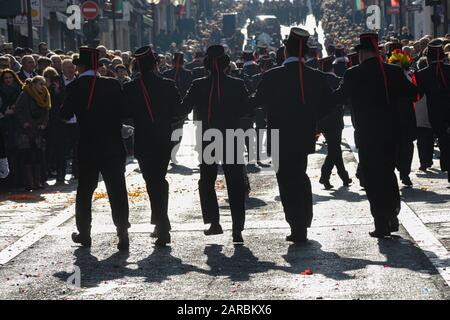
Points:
(32, 112)
(10, 89)
(57, 129)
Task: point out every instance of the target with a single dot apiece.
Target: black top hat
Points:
(368, 41)
(435, 51)
(353, 59)
(216, 53)
(331, 49)
(178, 57)
(326, 64)
(266, 62)
(312, 51)
(297, 37)
(340, 51)
(145, 59)
(88, 58)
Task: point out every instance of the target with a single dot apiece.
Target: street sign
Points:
(56, 5)
(37, 15)
(90, 10)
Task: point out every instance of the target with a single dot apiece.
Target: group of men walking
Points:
(294, 99)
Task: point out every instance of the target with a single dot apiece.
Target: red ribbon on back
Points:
(147, 99)
(439, 68)
(380, 62)
(215, 72)
(94, 81)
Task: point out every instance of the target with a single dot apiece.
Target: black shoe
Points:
(298, 237)
(84, 240)
(214, 230)
(423, 168)
(407, 181)
(326, 183)
(163, 240)
(347, 182)
(380, 233)
(237, 237)
(124, 241)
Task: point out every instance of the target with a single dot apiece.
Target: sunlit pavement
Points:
(340, 262)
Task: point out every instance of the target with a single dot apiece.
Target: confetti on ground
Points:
(17, 197)
(307, 272)
(100, 195)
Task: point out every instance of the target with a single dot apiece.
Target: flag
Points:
(360, 4)
(395, 3)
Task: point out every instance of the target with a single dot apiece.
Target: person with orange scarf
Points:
(32, 113)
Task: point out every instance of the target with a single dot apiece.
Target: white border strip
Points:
(433, 249)
(13, 250)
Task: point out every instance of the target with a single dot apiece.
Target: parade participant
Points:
(408, 129)
(340, 64)
(295, 97)
(434, 82)
(425, 136)
(331, 127)
(221, 101)
(375, 107)
(97, 103)
(181, 76)
(154, 103)
(312, 60)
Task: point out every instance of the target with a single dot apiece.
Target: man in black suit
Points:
(434, 82)
(341, 61)
(181, 76)
(295, 97)
(331, 127)
(28, 68)
(97, 103)
(154, 103)
(220, 101)
(375, 89)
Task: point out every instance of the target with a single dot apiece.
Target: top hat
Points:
(353, 59)
(216, 54)
(340, 51)
(326, 64)
(265, 62)
(435, 51)
(298, 39)
(145, 59)
(368, 41)
(88, 58)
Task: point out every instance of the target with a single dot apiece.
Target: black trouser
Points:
(378, 170)
(73, 137)
(60, 161)
(236, 193)
(113, 173)
(404, 157)
(154, 171)
(334, 156)
(295, 191)
(444, 147)
(425, 145)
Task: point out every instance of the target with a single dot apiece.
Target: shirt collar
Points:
(88, 73)
(290, 60)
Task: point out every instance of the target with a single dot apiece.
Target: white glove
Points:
(127, 131)
(4, 168)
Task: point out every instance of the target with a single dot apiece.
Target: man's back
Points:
(100, 125)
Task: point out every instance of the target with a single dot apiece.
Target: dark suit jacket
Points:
(376, 121)
(279, 94)
(100, 128)
(233, 106)
(438, 97)
(183, 80)
(153, 137)
(22, 75)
